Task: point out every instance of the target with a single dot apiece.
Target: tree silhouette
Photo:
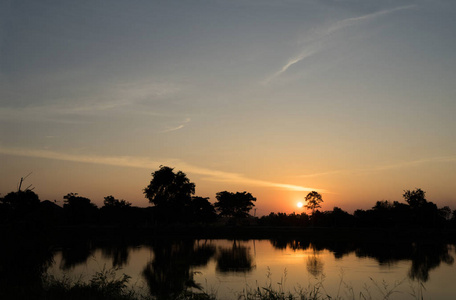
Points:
(79, 209)
(235, 205)
(169, 192)
(20, 202)
(202, 210)
(423, 213)
(313, 200)
(445, 213)
(415, 199)
(117, 212)
(110, 201)
(168, 187)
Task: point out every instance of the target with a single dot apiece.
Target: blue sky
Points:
(355, 99)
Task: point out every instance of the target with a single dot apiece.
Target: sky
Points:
(354, 99)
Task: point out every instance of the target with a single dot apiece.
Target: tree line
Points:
(415, 212)
(173, 201)
(170, 193)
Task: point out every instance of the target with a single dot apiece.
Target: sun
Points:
(299, 204)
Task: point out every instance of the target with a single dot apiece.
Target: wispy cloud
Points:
(146, 163)
(177, 127)
(404, 164)
(109, 98)
(174, 128)
(353, 21)
(393, 166)
(320, 38)
(307, 52)
(321, 174)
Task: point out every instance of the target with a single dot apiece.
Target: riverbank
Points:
(260, 232)
(238, 232)
(107, 284)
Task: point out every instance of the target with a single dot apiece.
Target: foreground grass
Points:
(107, 285)
(104, 285)
(317, 291)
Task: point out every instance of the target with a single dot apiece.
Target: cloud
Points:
(321, 174)
(440, 159)
(352, 21)
(177, 127)
(146, 163)
(317, 41)
(134, 96)
(307, 52)
(173, 129)
(399, 165)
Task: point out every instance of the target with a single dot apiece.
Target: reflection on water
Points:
(118, 254)
(75, 254)
(314, 265)
(424, 256)
(234, 259)
(169, 272)
(169, 267)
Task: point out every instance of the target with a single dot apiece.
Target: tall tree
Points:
(79, 209)
(18, 205)
(21, 201)
(111, 202)
(234, 204)
(202, 210)
(313, 200)
(169, 192)
(416, 198)
(445, 212)
(118, 212)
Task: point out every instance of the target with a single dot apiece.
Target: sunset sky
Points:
(354, 99)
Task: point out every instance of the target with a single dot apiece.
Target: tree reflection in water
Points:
(314, 263)
(169, 273)
(118, 253)
(75, 253)
(234, 259)
(423, 256)
(428, 257)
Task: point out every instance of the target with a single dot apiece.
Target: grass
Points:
(106, 284)
(317, 291)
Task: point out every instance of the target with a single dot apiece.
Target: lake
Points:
(228, 267)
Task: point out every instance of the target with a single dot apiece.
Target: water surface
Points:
(228, 267)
